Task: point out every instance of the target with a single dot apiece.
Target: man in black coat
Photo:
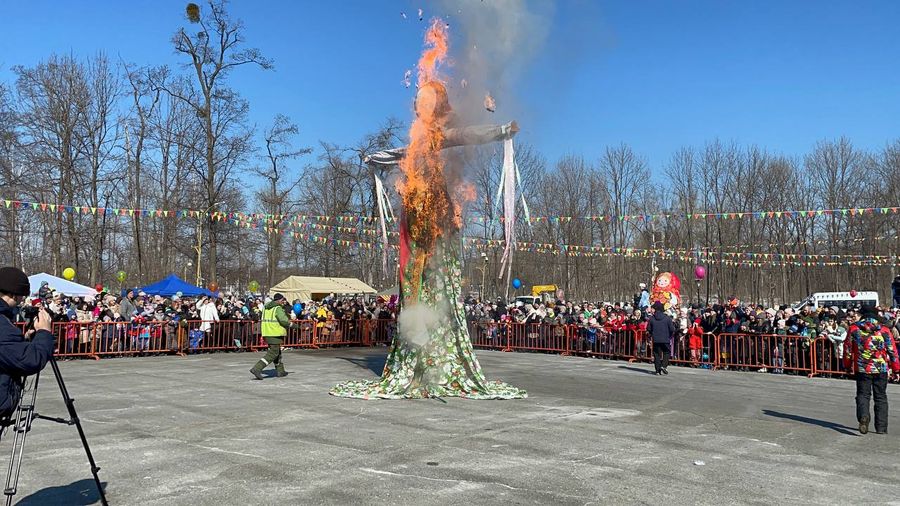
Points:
(661, 329)
(895, 291)
(18, 357)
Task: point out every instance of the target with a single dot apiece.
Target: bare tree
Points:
(274, 197)
(838, 177)
(214, 51)
(97, 146)
(9, 150)
(53, 96)
(623, 173)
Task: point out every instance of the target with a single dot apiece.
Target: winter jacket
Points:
(280, 316)
(710, 324)
(872, 346)
(732, 326)
(126, 308)
(644, 301)
(19, 357)
(661, 328)
(209, 314)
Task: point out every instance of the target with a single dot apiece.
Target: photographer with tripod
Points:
(18, 357)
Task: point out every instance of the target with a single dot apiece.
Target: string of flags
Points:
(705, 254)
(275, 219)
(478, 244)
(307, 225)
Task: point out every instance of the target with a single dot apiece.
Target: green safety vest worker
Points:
(274, 321)
(274, 328)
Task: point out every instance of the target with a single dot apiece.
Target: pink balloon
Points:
(853, 293)
(699, 272)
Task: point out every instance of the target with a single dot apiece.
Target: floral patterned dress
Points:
(443, 364)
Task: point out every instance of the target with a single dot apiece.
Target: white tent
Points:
(317, 288)
(62, 286)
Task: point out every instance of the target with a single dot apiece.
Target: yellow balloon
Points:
(69, 273)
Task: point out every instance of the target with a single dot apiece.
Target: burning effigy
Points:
(431, 354)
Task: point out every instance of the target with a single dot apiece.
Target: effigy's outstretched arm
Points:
(479, 134)
(453, 137)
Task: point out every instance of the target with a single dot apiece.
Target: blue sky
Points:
(654, 74)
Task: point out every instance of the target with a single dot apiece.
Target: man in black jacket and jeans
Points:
(18, 357)
(661, 329)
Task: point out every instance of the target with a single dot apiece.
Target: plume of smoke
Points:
(493, 43)
(418, 321)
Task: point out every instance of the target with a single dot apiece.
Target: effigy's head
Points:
(432, 102)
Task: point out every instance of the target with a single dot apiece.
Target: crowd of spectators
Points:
(789, 332)
(136, 321)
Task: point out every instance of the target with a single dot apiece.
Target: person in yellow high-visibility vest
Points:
(275, 325)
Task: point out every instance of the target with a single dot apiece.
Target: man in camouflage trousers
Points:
(275, 325)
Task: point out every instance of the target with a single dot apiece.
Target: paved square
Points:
(198, 431)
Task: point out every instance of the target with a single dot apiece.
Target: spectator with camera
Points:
(18, 357)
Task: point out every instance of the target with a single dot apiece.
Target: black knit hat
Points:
(658, 306)
(868, 312)
(14, 282)
(278, 297)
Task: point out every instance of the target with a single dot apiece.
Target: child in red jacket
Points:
(695, 341)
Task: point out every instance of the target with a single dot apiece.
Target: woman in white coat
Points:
(208, 313)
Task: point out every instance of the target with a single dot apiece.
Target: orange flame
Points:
(423, 190)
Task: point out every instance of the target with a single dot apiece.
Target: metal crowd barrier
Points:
(109, 339)
(752, 352)
(537, 337)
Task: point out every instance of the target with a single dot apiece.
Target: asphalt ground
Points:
(198, 430)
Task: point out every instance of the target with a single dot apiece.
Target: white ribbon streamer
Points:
(384, 210)
(508, 177)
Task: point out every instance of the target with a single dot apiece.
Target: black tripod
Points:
(21, 425)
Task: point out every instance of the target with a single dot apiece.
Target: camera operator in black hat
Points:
(19, 357)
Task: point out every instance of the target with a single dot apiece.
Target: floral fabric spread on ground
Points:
(445, 365)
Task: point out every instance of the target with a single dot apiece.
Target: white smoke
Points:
(418, 321)
(492, 43)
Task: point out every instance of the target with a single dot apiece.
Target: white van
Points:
(529, 299)
(842, 300)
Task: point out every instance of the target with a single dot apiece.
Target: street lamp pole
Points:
(483, 271)
(199, 246)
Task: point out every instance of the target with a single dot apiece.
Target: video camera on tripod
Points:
(30, 314)
(20, 421)
(20, 375)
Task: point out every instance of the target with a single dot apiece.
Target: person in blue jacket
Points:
(18, 357)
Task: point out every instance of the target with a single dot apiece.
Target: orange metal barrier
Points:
(120, 338)
(380, 332)
(776, 352)
(537, 337)
(217, 335)
(613, 344)
(74, 339)
(490, 336)
(643, 346)
(828, 357)
(338, 332)
(302, 334)
(704, 356)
